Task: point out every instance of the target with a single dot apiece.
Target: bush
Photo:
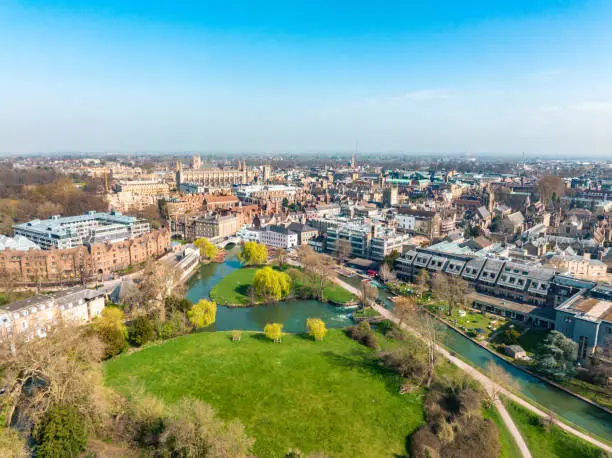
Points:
(177, 304)
(509, 337)
(425, 444)
(407, 361)
(61, 433)
(363, 334)
(274, 331)
(141, 331)
(316, 328)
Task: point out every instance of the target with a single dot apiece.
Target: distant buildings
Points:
(79, 248)
(73, 231)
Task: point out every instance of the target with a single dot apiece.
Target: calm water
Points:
(293, 315)
(564, 405)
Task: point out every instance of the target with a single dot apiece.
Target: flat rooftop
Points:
(597, 309)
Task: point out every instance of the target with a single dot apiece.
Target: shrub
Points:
(363, 334)
(407, 361)
(61, 433)
(112, 332)
(141, 331)
(424, 444)
(510, 336)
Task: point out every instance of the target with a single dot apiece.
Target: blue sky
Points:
(288, 76)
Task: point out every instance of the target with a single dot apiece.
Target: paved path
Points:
(490, 386)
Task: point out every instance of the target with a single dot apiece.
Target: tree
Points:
(404, 307)
(61, 433)
(390, 259)
(369, 292)
(193, 430)
(159, 280)
(318, 267)
(112, 331)
(422, 282)
(385, 273)
(274, 331)
(61, 369)
(281, 256)
(272, 284)
(556, 356)
(451, 289)
(316, 328)
(429, 329)
(207, 249)
(202, 314)
(500, 379)
(177, 304)
(343, 250)
(141, 331)
(253, 253)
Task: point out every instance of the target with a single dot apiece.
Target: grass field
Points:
(549, 444)
(531, 339)
(233, 289)
(329, 396)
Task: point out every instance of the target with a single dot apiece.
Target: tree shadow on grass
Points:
(259, 336)
(243, 289)
(369, 363)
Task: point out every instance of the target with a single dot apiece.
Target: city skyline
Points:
(475, 77)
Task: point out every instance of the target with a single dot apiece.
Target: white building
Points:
(32, 317)
(72, 231)
(279, 237)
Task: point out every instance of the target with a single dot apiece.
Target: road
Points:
(490, 386)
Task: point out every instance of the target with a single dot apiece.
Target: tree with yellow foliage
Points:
(274, 331)
(202, 314)
(253, 253)
(316, 328)
(207, 249)
(271, 284)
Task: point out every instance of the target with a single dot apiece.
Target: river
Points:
(293, 315)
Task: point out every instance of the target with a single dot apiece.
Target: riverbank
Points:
(490, 386)
(521, 367)
(235, 290)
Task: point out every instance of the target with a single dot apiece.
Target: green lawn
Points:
(472, 320)
(509, 449)
(329, 396)
(531, 339)
(552, 443)
(233, 289)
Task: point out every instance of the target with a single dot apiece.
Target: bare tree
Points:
(451, 289)
(385, 273)
(369, 292)
(422, 282)
(62, 368)
(281, 256)
(404, 307)
(343, 250)
(500, 378)
(320, 268)
(430, 330)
